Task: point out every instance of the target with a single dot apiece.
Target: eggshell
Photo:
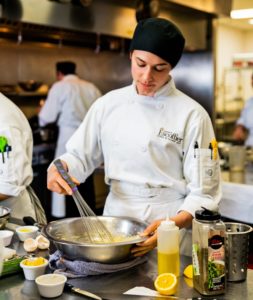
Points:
(30, 245)
(43, 242)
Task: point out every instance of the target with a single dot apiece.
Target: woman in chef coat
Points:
(16, 174)
(152, 139)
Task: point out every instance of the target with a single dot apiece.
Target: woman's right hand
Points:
(56, 183)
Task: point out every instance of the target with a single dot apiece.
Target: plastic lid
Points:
(207, 215)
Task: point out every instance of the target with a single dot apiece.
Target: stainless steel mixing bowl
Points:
(4, 216)
(103, 253)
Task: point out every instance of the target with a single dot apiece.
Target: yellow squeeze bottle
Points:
(168, 258)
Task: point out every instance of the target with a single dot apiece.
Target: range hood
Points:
(115, 18)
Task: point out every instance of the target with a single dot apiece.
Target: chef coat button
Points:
(1, 172)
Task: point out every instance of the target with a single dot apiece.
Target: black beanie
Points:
(160, 37)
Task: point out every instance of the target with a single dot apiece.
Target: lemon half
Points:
(188, 272)
(166, 283)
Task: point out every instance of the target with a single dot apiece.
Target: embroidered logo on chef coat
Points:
(168, 135)
(208, 172)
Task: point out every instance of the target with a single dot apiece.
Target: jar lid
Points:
(207, 215)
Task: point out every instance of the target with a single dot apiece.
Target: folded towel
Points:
(81, 268)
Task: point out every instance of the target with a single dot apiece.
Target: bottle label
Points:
(216, 261)
(195, 261)
(208, 260)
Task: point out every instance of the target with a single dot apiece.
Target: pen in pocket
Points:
(211, 149)
(215, 148)
(196, 146)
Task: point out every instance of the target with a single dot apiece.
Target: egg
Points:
(34, 261)
(30, 245)
(25, 230)
(43, 243)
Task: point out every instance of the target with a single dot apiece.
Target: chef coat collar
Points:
(69, 77)
(164, 91)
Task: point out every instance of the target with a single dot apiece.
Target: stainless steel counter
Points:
(112, 286)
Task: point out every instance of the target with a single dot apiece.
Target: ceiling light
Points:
(241, 9)
(241, 13)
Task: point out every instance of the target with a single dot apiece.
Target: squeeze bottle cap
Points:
(168, 223)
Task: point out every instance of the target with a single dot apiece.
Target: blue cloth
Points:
(81, 268)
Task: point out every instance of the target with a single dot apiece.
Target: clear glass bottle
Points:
(208, 253)
(168, 248)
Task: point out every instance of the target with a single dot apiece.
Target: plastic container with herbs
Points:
(208, 253)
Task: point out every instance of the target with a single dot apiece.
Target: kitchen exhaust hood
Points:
(64, 19)
(99, 17)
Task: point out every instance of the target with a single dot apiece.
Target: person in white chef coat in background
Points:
(68, 101)
(244, 126)
(146, 134)
(16, 146)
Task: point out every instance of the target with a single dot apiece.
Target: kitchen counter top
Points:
(112, 286)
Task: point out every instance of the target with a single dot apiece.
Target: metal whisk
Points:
(96, 230)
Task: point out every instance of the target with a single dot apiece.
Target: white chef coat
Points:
(246, 119)
(147, 146)
(67, 103)
(16, 170)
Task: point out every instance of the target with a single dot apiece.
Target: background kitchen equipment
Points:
(43, 135)
(237, 158)
(237, 248)
(44, 139)
(30, 85)
(223, 153)
(4, 216)
(7, 88)
(62, 231)
(226, 156)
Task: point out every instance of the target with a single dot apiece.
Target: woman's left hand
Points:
(151, 241)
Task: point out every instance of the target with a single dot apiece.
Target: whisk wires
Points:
(95, 229)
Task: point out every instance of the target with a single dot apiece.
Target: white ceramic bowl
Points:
(25, 232)
(51, 285)
(6, 236)
(32, 272)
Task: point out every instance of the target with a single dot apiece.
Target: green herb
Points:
(11, 266)
(213, 272)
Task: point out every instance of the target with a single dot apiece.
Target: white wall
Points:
(249, 40)
(228, 41)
